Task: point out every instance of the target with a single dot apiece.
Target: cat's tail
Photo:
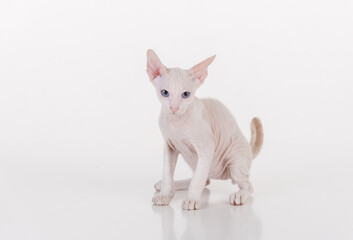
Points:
(257, 136)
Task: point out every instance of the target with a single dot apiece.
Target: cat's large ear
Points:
(155, 67)
(199, 71)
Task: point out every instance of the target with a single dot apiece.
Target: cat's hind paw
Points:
(191, 204)
(161, 200)
(239, 197)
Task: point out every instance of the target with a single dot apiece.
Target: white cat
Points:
(203, 131)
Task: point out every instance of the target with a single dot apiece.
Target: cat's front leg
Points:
(167, 189)
(199, 179)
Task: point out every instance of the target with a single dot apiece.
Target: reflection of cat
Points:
(203, 131)
(223, 222)
(214, 222)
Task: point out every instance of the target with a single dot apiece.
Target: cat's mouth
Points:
(177, 113)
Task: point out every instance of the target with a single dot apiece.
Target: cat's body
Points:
(212, 119)
(204, 132)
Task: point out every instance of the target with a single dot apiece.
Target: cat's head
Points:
(175, 87)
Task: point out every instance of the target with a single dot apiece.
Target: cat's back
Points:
(213, 105)
(218, 115)
(226, 134)
(216, 108)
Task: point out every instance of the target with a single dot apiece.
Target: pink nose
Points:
(174, 109)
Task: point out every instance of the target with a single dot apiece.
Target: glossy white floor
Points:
(292, 200)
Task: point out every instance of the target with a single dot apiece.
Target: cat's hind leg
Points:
(178, 185)
(239, 173)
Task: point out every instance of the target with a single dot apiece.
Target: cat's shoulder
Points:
(210, 102)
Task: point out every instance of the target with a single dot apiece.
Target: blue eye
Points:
(164, 93)
(186, 94)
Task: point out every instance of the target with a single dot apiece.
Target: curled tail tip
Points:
(256, 120)
(257, 136)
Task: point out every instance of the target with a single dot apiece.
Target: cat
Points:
(203, 131)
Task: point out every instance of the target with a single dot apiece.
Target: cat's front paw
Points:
(191, 204)
(239, 197)
(161, 200)
(158, 186)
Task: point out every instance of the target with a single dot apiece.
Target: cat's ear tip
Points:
(150, 51)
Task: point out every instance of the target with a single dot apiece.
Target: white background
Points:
(80, 147)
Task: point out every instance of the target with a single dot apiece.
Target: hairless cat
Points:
(203, 131)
